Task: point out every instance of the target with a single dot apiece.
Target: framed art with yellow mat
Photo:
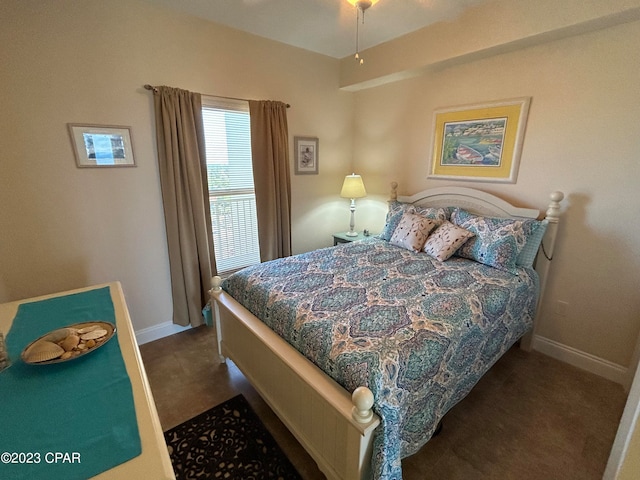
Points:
(479, 142)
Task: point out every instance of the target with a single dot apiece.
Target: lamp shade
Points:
(353, 187)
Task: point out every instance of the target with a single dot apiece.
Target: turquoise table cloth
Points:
(70, 420)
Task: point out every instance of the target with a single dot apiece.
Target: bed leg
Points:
(526, 342)
(221, 357)
(216, 283)
(438, 429)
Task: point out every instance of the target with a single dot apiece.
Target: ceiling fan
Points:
(325, 26)
(361, 7)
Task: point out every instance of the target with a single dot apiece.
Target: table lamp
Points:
(353, 188)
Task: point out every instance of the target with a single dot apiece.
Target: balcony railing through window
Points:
(235, 229)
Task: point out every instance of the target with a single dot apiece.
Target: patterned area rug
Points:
(227, 442)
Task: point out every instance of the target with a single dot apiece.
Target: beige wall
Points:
(581, 138)
(85, 61)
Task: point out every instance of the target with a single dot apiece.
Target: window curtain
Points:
(185, 197)
(271, 177)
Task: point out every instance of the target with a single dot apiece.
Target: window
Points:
(230, 179)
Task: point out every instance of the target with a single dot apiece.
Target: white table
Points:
(154, 461)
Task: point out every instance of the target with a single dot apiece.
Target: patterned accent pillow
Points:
(438, 214)
(445, 240)
(497, 241)
(397, 209)
(412, 231)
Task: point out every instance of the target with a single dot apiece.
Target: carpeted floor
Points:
(227, 442)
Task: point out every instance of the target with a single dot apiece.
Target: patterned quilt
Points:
(418, 332)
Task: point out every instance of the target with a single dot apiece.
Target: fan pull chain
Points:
(357, 56)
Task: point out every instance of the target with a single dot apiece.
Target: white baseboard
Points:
(161, 330)
(586, 361)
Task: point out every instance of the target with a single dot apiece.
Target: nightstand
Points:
(342, 237)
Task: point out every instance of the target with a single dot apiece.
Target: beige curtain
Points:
(270, 150)
(183, 178)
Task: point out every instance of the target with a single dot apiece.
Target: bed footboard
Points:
(334, 427)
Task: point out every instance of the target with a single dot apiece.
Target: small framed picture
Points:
(102, 145)
(306, 156)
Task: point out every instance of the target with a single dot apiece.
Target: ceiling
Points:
(322, 26)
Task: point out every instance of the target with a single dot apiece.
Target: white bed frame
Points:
(334, 427)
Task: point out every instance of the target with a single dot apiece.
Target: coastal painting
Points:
(479, 142)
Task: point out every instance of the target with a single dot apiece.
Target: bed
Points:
(391, 338)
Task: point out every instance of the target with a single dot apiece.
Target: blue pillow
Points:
(394, 215)
(497, 241)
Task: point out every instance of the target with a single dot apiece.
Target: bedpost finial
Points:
(553, 212)
(394, 191)
(362, 400)
(216, 283)
(556, 196)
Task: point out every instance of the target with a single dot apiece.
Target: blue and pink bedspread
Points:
(418, 332)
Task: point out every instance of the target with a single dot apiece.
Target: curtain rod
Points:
(155, 90)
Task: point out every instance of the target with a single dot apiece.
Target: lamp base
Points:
(351, 234)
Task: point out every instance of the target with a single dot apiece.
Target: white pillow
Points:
(445, 240)
(412, 231)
